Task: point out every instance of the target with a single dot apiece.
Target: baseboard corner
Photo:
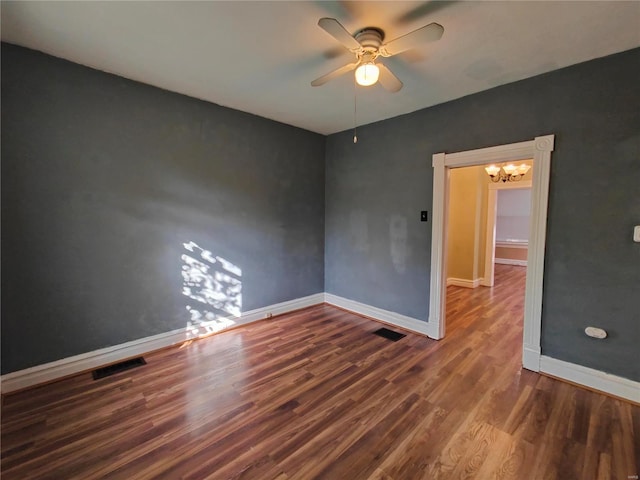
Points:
(592, 379)
(463, 282)
(381, 315)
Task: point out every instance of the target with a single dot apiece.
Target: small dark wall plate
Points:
(118, 367)
(389, 334)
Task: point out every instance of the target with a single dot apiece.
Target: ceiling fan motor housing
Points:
(370, 38)
(367, 46)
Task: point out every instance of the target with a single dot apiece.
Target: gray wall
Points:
(104, 180)
(592, 268)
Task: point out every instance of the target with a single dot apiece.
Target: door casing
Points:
(539, 149)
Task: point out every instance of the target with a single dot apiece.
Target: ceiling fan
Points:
(367, 46)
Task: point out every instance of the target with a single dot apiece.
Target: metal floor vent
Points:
(118, 367)
(389, 334)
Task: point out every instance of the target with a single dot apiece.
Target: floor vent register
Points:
(389, 334)
(118, 367)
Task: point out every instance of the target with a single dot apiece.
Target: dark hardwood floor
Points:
(315, 394)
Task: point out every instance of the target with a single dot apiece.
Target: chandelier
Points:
(507, 173)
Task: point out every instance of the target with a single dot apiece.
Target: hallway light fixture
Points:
(507, 173)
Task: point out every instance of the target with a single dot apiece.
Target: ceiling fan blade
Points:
(428, 33)
(336, 73)
(337, 31)
(387, 79)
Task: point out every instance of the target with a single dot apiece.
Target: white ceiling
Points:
(260, 57)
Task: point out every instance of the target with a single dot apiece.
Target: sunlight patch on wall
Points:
(214, 287)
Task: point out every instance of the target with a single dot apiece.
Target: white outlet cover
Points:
(595, 332)
(636, 233)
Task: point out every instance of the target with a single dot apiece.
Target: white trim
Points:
(519, 244)
(510, 186)
(589, 377)
(511, 261)
(540, 150)
(385, 316)
(595, 379)
(438, 291)
(490, 239)
(88, 361)
(530, 355)
(500, 153)
(537, 240)
(464, 282)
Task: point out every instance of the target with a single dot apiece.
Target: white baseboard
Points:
(518, 244)
(385, 316)
(509, 261)
(595, 379)
(463, 282)
(88, 361)
(531, 358)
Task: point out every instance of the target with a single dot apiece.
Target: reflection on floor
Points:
(465, 305)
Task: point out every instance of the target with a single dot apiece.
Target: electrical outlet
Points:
(595, 332)
(424, 216)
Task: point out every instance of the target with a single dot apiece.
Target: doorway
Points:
(487, 241)
(513, 239)
(540, 150)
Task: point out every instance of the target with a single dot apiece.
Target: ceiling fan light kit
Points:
(367, 74)
(367, 46)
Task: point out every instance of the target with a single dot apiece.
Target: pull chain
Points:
(355, 123)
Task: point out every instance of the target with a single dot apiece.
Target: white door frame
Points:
(490, 239)
(540, 150)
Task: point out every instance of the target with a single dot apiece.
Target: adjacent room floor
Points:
(315, 394)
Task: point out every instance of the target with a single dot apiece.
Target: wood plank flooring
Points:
(315, 394)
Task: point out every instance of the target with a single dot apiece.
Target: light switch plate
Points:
(636, 233)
